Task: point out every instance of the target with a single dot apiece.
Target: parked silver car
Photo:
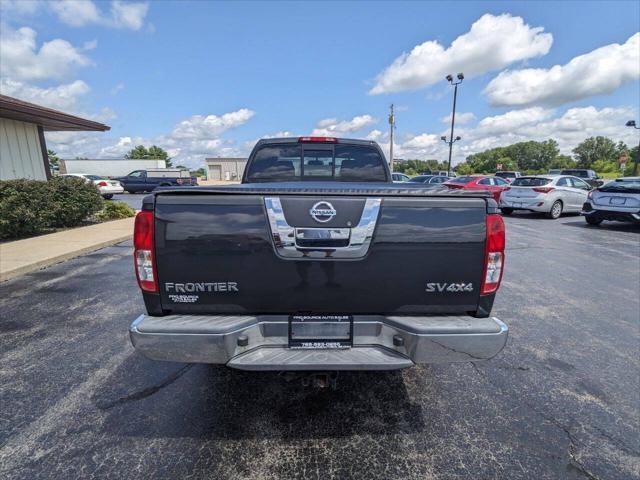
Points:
(106, 186)
(550, 194)
(618, 200)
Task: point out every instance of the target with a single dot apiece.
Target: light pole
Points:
(453, 116)
(632, 123)
(392, 126)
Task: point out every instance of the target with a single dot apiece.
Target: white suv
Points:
(617, 200)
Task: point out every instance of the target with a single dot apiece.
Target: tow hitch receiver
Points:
(319, 380)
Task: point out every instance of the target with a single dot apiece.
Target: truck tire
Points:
(591, 220)
(556, 210)
(506, 211)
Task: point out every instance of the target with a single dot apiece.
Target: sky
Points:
(204, 79)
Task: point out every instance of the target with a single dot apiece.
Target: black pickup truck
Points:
(318, 261)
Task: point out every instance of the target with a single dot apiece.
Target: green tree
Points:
(414, 167)
(152, 153)
(524, 156)
(54, 160)
(463, 169)
(596, 148)
(563, 161)
(201, 172)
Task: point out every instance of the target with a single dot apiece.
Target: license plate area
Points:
(320, 331)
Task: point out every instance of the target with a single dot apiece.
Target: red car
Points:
(495, 185)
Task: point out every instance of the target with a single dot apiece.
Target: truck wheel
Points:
(506, 211)
(556, 210)
(108, 196)
(591, 220)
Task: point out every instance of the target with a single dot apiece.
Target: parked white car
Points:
(550, 194)
(108, 188)
(617, 200)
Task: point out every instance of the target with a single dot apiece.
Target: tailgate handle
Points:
(322, 237)
(321, 243)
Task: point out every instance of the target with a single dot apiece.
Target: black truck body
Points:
(319, 275)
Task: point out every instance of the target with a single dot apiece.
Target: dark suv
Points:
(587, 175)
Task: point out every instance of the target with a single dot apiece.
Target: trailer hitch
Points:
(319, 380)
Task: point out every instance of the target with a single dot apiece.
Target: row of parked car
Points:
(139, 180)
(572, 190)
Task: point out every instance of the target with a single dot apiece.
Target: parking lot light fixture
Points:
(632, 123)
(453, 116)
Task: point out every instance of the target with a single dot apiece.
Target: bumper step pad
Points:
(357, 358)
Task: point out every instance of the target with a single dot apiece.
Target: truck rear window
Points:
(346, 163)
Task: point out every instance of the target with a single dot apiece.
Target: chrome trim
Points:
(285, 236)
(319, 234)
(214, 339)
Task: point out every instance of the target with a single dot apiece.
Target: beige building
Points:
(23, 150)
(219, 168)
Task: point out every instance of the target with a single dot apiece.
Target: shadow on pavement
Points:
(611, 226)
(158, 399)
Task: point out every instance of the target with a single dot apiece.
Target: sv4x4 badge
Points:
(449, 287)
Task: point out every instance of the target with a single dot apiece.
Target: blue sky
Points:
(209, 78)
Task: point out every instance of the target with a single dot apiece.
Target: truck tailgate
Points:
(256, 252)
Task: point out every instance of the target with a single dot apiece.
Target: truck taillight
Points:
(144, 253)
(494, 254)
(318, 139)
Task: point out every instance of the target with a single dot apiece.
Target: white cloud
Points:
(335, 127)
(22, 60)
(535, 123)
(598, 72)
(63, 97)
(201, 127)
(513, 120)
(492, 43)
(20, 7)
(375, 135)
(79, 13)
(462, 118)
(117, 88)
(189, 143)
(76, 13)
(129, 15)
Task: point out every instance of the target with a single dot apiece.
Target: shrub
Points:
(115, 211)
(73, 200)
(30, 207)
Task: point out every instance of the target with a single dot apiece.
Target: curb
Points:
(16, 272)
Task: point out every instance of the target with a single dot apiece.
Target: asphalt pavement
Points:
(561, 401)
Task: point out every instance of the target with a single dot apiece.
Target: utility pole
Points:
(392, 126)
(453, 117)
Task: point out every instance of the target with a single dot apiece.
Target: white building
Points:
(23, 150)
(220, 168)
(109, 167)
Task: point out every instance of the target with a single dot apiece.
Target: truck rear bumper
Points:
(379, 342)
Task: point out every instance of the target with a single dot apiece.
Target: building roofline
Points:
(48, 118)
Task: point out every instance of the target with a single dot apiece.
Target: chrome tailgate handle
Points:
(321, 243)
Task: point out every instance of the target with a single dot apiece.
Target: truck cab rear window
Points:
(347, 163)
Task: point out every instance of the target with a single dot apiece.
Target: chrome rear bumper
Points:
(221, 339)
